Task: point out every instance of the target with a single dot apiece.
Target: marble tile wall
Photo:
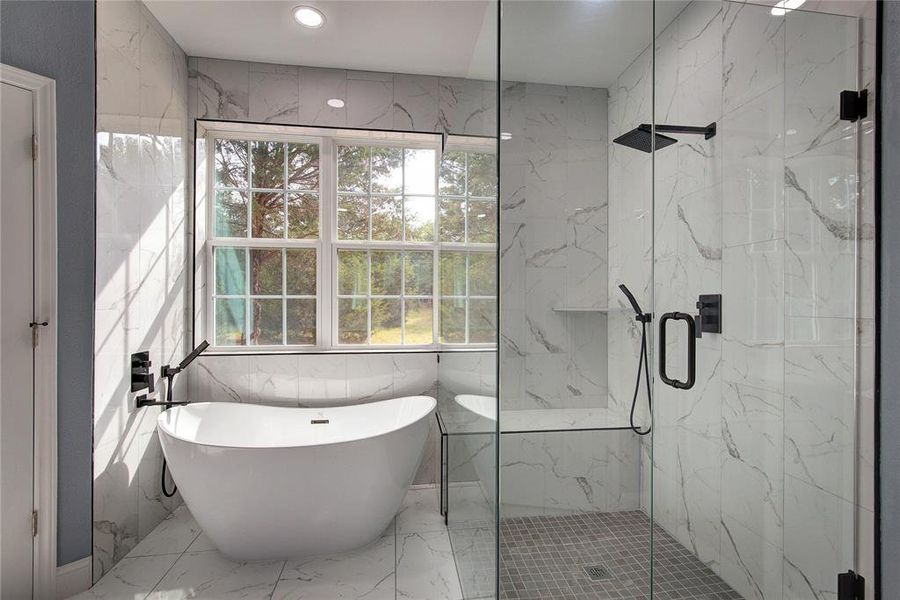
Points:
(140, 264)
(248, 91)
(763, 468)
(549, 359)
(553, 229)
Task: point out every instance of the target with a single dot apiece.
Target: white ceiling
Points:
(570, 42)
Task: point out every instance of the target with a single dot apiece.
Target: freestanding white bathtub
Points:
(270, 482)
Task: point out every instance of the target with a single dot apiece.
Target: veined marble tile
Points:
(752, 460)
(818, 540)
(415, 102)
(415, 374)
(370, 377)
(420, 512)
(274, 93)
(364, 573)
(820, 420)
(153, 506)
(586, 117)
(753, 47)
(173, 535)
(699, 477)
(159, 72)
(545, 329)
(224, 89)
(221, 378)
(475, 561)
(753, 345)
(749, 564)
(274, 379)
(546, 380)
(370, 103)
(821, 199)
(425, 567)
(322, 379)
(210, 575)
(699, 37)
(545, 243)
(753, 170)
(130, 578)
(466, 106)
(821, 59)
(118, 57)
(317, 86)
(469, 507)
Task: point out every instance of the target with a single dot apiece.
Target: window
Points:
(265, 242)
(340, 239)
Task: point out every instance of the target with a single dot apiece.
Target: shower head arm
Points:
(708, 132)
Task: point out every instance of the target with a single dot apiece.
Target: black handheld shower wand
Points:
(643, 360)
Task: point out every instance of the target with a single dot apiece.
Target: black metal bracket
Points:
(710, 318)
(141, 377)
(854, 105)
(851, 586)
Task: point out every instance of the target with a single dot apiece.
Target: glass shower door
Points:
(754, 450)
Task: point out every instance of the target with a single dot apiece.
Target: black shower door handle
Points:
(691, 350)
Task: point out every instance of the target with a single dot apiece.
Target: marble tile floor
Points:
(412, 560)
(543, 558)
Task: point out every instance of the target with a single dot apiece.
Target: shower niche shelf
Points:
(580, 309)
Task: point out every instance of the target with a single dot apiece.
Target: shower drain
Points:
(597, 572)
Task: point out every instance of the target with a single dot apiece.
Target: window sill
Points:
(319, 351)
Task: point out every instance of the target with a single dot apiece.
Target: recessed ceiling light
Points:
(786, 6)
(335, 103)
(309, 16)
(505, 135)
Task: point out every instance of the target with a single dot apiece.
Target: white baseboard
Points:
(73, 578)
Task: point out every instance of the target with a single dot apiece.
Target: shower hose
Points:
(162, 481)
(643, 365)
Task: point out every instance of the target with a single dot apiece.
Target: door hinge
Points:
(34, 148)
(854, 105)
(34, 523)
(36, 332)
(851, 586)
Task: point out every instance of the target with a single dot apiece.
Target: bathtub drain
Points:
(318, 421)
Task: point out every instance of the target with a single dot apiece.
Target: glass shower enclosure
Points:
(682, 310)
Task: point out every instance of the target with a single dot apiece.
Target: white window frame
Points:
(327, 245)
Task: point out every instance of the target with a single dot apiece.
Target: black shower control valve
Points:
(710, 318)
(141, 377)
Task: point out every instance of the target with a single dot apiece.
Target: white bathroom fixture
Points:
(270, 482)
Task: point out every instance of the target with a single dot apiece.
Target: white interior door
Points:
(16, 349)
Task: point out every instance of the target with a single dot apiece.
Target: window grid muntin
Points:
(369, 296)
(402, 194)
(467, 297)
(250, 189)
(327, 242)
(248, 297)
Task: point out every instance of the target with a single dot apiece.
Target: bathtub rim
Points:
(162, 427)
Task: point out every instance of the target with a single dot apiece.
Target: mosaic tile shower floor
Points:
(543, 558)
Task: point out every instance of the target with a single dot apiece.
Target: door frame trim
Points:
(45, 387)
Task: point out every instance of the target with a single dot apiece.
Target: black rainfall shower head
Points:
(640, 138)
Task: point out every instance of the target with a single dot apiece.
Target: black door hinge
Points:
(851, 586)
(854, 105)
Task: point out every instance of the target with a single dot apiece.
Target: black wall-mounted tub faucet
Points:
(169, 373)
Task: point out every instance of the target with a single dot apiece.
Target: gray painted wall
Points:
(890, 300)
(56, 39)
